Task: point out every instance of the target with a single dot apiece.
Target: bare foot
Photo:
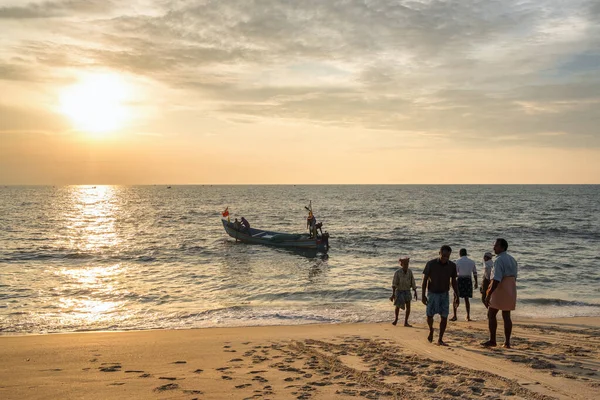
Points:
(407, 325)
(453, 318)
(395, 322)
(506, 345)
(430, 337)
(469, 319)
(441, 343)
(489, 343)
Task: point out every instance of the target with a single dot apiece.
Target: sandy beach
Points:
(551, 359)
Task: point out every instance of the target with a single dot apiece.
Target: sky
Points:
(299, 92)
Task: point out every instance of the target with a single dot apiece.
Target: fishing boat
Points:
(277, 239)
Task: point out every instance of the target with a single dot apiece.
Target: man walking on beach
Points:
(488, 264)
(502, 294)
(464, 268)
(401, 284)
(436, 278)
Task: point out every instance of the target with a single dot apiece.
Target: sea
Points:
(113, 258)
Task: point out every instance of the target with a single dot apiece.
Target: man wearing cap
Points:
(401, 284)
(487, 273)
(436, 281)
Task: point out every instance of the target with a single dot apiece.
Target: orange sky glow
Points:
(378, 92)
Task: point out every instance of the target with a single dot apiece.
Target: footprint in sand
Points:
(258, 359)
(291, 369)
(145, 376)
(111, 368)
(542, 364)
(475, 389)
(191, 391)
(168, 378)
(168, 386)
(179, 362)
(321, 383)
(225, 377)
(242, 386)
(260, 379)
(198, 371)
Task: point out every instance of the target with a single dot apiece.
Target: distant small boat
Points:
(277, 239)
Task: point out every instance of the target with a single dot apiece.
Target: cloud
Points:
(552, 133)
(13, 71)
(477, 70)
(54, 9)
(17, 119)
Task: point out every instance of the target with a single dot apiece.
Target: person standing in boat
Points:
(246, 225)
(311, 224)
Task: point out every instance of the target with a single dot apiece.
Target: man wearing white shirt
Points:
(465, 267)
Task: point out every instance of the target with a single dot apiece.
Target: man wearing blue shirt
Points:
(502, 293)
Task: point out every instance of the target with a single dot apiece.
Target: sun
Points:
(97, 103)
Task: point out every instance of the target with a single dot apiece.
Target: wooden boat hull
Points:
(277, 239)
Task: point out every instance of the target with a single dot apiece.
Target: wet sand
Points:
(550, 359)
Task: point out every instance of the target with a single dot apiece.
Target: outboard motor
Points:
(325, 239)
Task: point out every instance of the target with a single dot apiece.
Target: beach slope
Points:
(550, 359)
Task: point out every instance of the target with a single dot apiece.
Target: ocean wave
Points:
(78, 256)
(352, 294)
(557, 302)
(146, 258)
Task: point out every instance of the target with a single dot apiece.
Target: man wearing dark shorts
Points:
(436, 281)
(465, 267)
(402, 283)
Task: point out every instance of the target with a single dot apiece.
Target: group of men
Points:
(242, 226)
(498, 289)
